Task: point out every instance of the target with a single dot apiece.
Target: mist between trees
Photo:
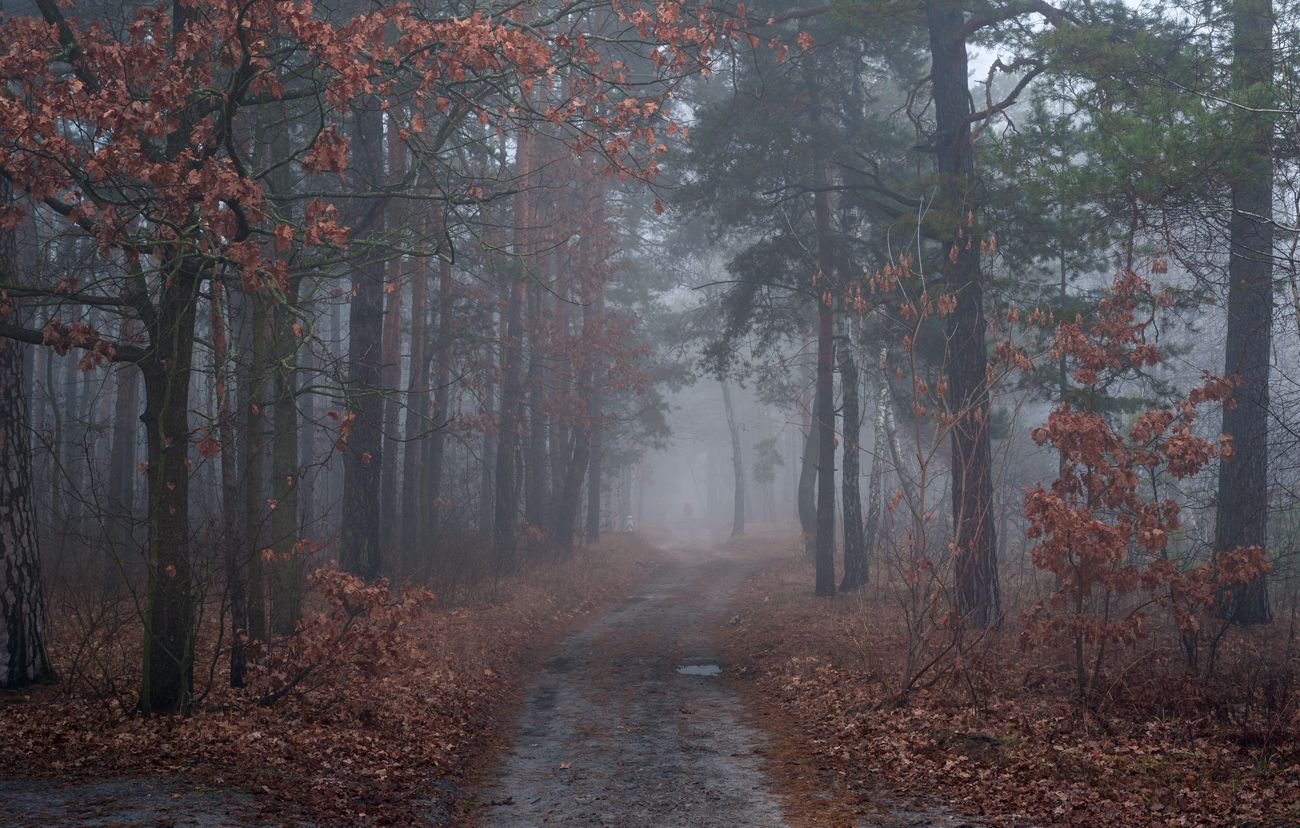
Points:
(434, 292)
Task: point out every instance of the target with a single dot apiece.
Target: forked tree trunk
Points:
(1242, 509)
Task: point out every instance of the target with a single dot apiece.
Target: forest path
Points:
(614, 733)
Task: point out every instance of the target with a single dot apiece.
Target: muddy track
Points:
(614, 733)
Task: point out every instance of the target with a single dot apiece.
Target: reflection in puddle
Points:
(700, 668)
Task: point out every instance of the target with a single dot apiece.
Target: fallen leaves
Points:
(1172, 751)
(363, 741)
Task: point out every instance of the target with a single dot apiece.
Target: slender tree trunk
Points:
(506, 488)
(287, 570)
(363, 462)
(535, 494)
(807, 490)
(23, 658)
(596, 460)
(1242, 509)
(737, 465)
(122, 465)
(875, 480)
(388, 498)
(966, 360)
(417, 422)
(487, 493)
(232, 541)
(576, 467)
(254, 336)
(441, 396)
(855, 550)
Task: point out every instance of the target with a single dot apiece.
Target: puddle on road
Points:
(700, 667)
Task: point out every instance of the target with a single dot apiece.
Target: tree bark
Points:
(234, 549)
(506, 488)
(23, 658)
(855, 551)
(595, 429)
(432, 482)
(978, 599)
(1242, 508)
(875, 480)
(737, 465)
(417, 422)
(122, 465)
(286, 571)
(363, 462)
(168, 673)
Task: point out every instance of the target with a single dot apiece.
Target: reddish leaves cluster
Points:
(1098, 532)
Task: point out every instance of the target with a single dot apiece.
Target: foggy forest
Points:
(512, 413)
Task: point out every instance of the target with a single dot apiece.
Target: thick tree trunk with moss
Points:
(1242, 510)
(965, 357)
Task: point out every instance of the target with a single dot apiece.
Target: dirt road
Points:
(629, 726)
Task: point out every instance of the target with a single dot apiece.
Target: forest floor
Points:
(997, 736)
(635, 721)
(375, 738)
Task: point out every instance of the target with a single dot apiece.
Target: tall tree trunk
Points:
(287, 570)
(417, 423)
(363, 461)
(737, 465)
(576, 467)
(875, 480)
(234, 549)
(506, 490)
(392, 365)
(23, 658)
(122, 465)
(596, 460)
(535, 494)
(254, 338)
(807, 489)
(168, 672)
(855, 550)
(965, 358)
(432, 482)
(487, 493)
(1242, 509)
